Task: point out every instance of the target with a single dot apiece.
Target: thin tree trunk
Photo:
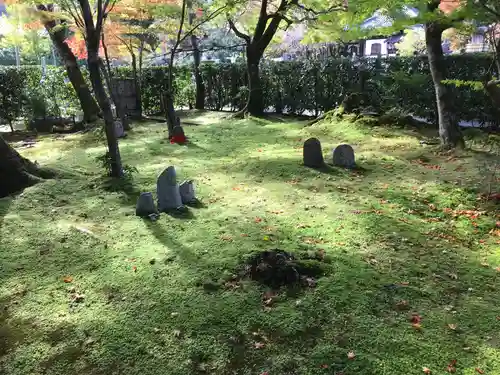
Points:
(58, 35)
(255, 104)
(449, 131)
(200, 86)
(135, 75)
(108, 77)
(102, 98)
(16, 172)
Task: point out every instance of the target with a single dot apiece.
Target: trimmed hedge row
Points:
(316, 86)
(297, 87)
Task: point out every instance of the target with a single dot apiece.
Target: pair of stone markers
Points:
(171, 196)
(343, 155)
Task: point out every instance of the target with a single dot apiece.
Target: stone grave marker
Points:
(145, 205)
(119, 131)
(167, 189)
(343, 156)
(312, 153)
(187, 192)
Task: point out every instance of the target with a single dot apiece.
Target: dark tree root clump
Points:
(16, 172)
(277, 268)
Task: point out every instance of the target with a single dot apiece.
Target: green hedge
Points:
(297, 87)
(41, 94)
(315, 86)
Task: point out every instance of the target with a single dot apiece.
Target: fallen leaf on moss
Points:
(259, 345)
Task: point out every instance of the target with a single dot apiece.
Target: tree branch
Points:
(87, 15)
(262, 21)
(333, 8)
(238, 33)
(210, 17)
(489, 9)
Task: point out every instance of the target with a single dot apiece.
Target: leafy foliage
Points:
(36, 93)
(11, 87)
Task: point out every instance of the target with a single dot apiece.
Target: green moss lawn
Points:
(410, 250)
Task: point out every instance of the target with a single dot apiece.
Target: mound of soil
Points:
(276, 268)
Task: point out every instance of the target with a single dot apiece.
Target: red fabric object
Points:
(179, 139)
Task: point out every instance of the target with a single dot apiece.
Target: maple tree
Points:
(436, 16)
(89, 20)
(58, 28)
(258, 22)
(174, 17)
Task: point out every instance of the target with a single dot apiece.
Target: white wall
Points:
(368, 46)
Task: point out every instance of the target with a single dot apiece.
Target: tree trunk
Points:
(200, 86)
(449, 131)
(255, 104)
(138, 101)
(58, 36)
(170, 116)
(102, 98)
(16, 172)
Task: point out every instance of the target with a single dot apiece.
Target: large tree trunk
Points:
(58, 35)
(255, 104)
(449, 131)
(16, 172)
(102, 98)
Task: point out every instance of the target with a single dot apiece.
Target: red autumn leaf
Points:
(482, 241)
(416, 319)
(478, 370)
(236, 188)
(68, 279)
(325, 366)
(451, 367)
(258, 219)
(134, 268)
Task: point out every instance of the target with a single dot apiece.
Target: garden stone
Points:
(313, 155)
(145, 205)
(167, 189)
(343, 156)
(119, 132)
(187, 192)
